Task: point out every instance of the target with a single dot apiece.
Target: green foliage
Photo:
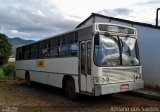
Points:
(5, 49)
(9, 72)
(1, 72)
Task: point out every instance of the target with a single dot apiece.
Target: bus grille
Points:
(117, 75)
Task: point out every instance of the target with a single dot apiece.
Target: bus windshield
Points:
(115, 51)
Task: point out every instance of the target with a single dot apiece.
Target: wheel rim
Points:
(70, 88)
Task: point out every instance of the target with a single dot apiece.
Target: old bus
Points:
(95, 60)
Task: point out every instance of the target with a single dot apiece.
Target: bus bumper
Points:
(115, 88)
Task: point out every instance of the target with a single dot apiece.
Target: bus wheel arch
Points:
(27, 78)
(69, 87)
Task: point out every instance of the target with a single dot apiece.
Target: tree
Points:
(5, 49)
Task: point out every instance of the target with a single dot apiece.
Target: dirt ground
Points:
(16, 97)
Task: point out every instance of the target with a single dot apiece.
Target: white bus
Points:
(95, 60)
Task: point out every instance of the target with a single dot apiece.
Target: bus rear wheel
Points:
(28, 81)
(70, 89)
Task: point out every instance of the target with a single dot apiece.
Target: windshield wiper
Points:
(120, 49)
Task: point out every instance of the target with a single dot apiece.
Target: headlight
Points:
(100, 80)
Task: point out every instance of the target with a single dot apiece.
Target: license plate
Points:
(124, 87)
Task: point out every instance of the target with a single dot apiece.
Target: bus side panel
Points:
(55, 65)
(61, 65)
(55, 79)
(22, 66)
(36, 76)
(76, 83)
(47, 78)
(52, 79)
(51, 72)
(26, 65)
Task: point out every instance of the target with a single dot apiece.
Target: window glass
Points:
(54, 42)
(69, 50)
(42, 51)
(115, 51)
(26, 52)
(33, 51)
(128, 52)
(73, 49)
(64, 50)
(89, 58)
(76, 37)
(107, 51)
(61, 46)
(53, 52)
(17, 57)
(18, 53)
(39, 54)
(63, 39)
(83, 54)
(71, 38)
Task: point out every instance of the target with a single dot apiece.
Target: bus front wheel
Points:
(70, 89)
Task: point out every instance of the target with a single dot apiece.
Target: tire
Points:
(28, 82)
(70, 89)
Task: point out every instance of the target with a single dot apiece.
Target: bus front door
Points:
(85, 66)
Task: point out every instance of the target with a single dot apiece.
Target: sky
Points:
(38, 19)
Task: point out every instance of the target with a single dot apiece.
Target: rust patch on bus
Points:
(40, 63)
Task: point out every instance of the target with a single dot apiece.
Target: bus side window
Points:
(73, 49)
(18, 54)
(52, 47)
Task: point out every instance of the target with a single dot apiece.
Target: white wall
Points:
(149, 44)
(12, 60)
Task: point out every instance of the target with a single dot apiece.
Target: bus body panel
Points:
(56, 65)
(115, 88)
(51, 73)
